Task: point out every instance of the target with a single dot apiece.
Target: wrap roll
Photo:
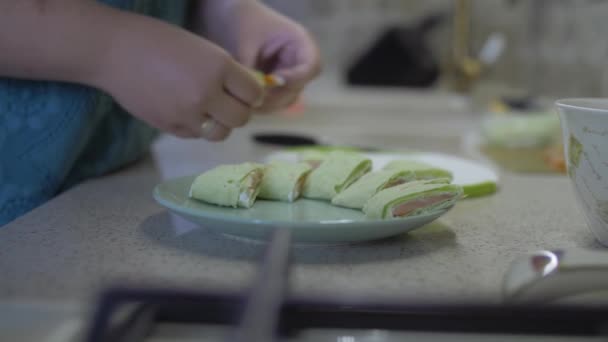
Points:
(335, 173)
(235, 185)
(283, 181)
(412, 199)
(313, 158)
(421, 170)
(356, 195)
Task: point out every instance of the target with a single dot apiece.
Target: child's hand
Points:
(177, 81)
(265, 40)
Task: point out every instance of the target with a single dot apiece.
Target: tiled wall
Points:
(344, 27)
(554, 47)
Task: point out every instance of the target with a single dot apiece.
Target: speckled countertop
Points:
(109, 230)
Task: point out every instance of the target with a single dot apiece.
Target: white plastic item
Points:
(547, 276)
(493, 48)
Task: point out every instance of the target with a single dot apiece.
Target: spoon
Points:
(549, 275)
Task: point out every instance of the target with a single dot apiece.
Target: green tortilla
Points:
(381, 205)
(420, 169)
(362, 190)
(234, 185)
(283, 181)
(335, 173)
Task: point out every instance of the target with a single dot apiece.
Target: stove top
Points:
(266, 313)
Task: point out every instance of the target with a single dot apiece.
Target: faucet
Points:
(464, 70)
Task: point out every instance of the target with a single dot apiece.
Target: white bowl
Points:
(585, 134)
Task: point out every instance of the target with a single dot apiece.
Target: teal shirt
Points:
(54, 135)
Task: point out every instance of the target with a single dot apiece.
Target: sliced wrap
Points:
(356, 195)
(234, 185)
(412, 199)
(313, 158)
(335, 173)
(420, 169)
(283, 181)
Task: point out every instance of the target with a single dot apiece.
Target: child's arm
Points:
(52, 40)
(160, 73)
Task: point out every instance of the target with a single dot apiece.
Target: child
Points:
(85, 84)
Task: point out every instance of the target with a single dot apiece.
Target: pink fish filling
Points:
(408, 207)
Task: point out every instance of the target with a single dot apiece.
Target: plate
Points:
(477, 179)
(313, 222)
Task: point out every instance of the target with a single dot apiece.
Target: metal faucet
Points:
(464, 70)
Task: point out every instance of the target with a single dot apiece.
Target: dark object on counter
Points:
(284, 139)
(523, 104)
(297, 140)
(268, 314)
(401, 56)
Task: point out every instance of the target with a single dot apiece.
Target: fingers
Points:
(306, 63)
(212, 130)
(223, 112)
(205, 127)
(229, 111)
(301, 74)
(241, 84)
(278, 99)
(301, 64)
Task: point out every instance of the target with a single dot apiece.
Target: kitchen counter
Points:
(110, 230)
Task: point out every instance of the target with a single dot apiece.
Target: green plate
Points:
(309, 221)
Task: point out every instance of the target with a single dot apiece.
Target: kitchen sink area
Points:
(466, 89)
(109, 231)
